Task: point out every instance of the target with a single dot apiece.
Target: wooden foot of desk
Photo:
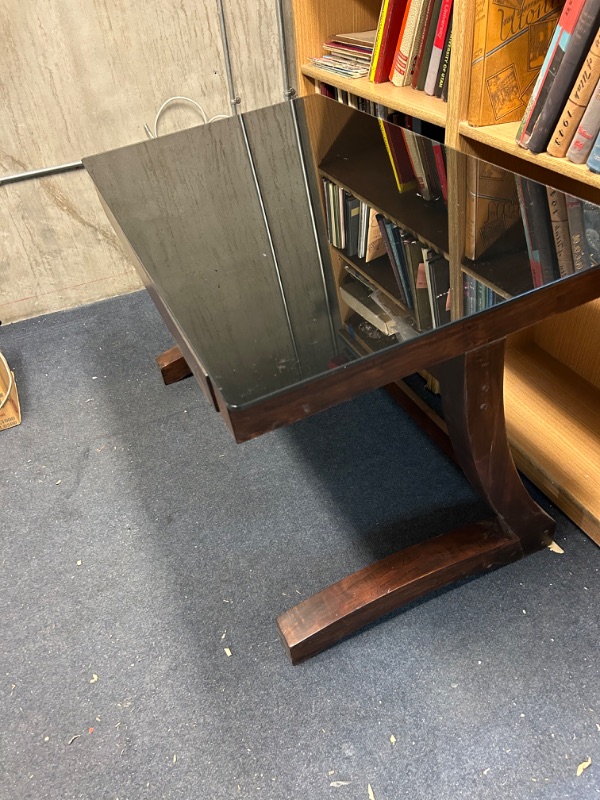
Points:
(472, 393)
(380, 588)
(173, 366)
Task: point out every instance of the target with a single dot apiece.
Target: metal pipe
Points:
(288, 90)
(40, 173)
(234, 98)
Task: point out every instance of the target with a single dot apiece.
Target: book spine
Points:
(579, 97)
(417, 163)
(404, 59)
(398, 156)
(395, 234)
(587, 130)
(576, 231)
(424, 65)
(441, 169)
(438, 46)
(530, 231)
(421, 44)
(567, 67)
(390, 248)
(560, 38)
(378, 40)
(557, 203)
(471, 211)
(593, 162)
(390, 154)
(445, 63)
(482, 12)
(591, 222)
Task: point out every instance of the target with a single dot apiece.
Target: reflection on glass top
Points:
(287, 241)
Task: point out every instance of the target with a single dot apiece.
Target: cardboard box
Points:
(10, 410)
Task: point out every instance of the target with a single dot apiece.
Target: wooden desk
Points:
(227, 225)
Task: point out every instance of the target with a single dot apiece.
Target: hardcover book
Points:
(492, 206)
(557, 203)
(564, 70)
(438, 46)
(410, 34)
(386, 38)
(560, 39)
(509, 45)
(577, 232)
(432, 14)
(580, 96)
(587, 130)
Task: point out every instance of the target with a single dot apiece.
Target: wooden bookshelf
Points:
(404, 99)
(502, 139)
(552, 390)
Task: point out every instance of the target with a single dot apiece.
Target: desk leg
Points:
(173, 366)
(473, 404)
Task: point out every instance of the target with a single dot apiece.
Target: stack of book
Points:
(410, 47)
(348, 54)
(562, 231)
(420, 56)
(477, 296)
(391, 262)
(563, 113)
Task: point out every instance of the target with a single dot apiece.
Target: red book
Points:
(441, 169)
(386, 38)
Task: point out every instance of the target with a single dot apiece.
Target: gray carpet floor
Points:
(138, 542)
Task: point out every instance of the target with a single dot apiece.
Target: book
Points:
(348, 55)
(375, 245)
(419, 168)
(509, 44)
(388, 30)
(397, 240)
(591, 223)
(587, 130)
(558, 43)
(432, 12)
(405, 54)
(418, 281)
(576, 231)
(437, 273)
(593, 162)
(492, 206)
(538, 231)
(563, 71)
(579, 97)
(351, 215)
(445, 63)
(398, 155)
(386, 228)
(438, 46)
(557, 204)
(440, 165)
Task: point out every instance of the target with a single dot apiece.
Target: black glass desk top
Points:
(307, 251)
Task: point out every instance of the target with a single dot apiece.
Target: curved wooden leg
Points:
(474, 409)
(472, 396)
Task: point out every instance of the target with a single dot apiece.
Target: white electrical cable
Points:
(153, 134)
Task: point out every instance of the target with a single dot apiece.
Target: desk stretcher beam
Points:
(472, 394)
(173, 366)
(376, 590)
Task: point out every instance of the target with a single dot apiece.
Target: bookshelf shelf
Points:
(378, 272)
(565, 464)
(401, 98)
(502, 138)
